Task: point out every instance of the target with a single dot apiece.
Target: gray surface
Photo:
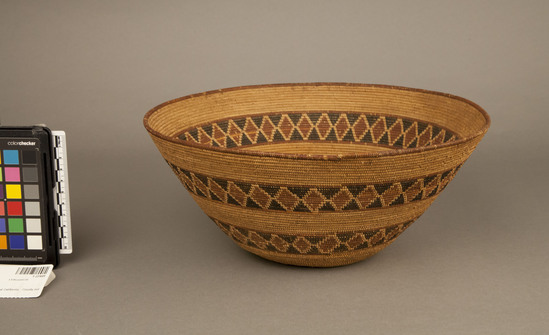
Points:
(147, 260)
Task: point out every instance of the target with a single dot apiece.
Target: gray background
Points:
(147, 260)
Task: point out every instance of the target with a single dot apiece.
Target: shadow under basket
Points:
(317, 174)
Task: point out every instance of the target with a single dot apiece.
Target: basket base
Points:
(330, 260)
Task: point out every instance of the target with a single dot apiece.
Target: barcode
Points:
(32, 271)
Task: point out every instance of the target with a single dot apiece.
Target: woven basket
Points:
(321, 174)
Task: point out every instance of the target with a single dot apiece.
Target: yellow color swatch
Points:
(3, 242)
(13, 191)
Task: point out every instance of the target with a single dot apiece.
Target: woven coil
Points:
(320, 174)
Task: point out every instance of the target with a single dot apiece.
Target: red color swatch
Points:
(15, 208)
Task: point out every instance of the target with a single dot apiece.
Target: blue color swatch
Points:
(17, 242)
(11, 157)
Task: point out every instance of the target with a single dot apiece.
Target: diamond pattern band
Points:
(313, 199)
(313, 245)
(390, 131)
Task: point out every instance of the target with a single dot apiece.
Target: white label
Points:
(24, 281)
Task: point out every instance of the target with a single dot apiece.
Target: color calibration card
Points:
(33, 192)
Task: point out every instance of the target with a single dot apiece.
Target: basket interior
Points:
(318, 131)
(317, 119)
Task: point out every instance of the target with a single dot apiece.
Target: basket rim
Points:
(259, 153)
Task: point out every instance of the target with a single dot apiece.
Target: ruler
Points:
(62, 199)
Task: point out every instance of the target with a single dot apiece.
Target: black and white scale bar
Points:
(62, 201)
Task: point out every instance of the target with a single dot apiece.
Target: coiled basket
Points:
(319, 174)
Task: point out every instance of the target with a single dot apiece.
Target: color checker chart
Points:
(30, 225)
(20, 218)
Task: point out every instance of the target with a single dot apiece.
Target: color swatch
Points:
(21, 227)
